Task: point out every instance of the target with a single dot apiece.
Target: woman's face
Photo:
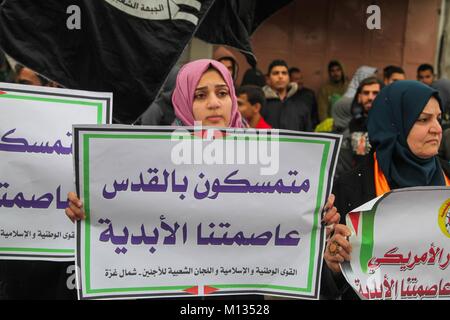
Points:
(426, 134)
(212, 100)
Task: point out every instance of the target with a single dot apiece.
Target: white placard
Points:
(156, 227)
(36, 167)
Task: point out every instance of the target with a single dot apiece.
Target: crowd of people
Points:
(392, 131)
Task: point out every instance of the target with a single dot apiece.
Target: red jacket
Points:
(262, 124)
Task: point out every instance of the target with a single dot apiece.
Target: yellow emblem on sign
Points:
(444, 218)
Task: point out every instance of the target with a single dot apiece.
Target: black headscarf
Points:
(394, 112)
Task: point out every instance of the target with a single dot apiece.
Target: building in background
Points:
(308, 34)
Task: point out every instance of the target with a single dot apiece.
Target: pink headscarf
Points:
(187, 81)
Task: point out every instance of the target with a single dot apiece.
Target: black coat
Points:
(36, 280)
(352, 190)
(309, 99)
(291, 114)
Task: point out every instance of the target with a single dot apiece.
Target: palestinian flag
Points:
(361, 223)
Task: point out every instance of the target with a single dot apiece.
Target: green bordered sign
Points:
(175, 212)
(399, 251)
(36, 171)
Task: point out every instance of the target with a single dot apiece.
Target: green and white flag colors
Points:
(401, 245)
(36, 167)
(180, 212)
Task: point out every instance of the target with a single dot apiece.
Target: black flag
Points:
(239, 19)
(124, 46)
(127, 47)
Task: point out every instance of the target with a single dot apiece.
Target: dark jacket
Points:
(355, 147)
(355, 143)
(36, 280)
(352, 190)
(308, 97)
(290, 114)
(359, 140)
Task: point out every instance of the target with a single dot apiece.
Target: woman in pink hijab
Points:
(204, 94)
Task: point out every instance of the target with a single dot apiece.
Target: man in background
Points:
(393, 73)
(425, 74)
(251, 100)
(333, 90)
(284, 107)
(27, 76)
(307, 95)
(228, 59)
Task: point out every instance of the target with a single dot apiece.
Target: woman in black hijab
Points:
(405, 134)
